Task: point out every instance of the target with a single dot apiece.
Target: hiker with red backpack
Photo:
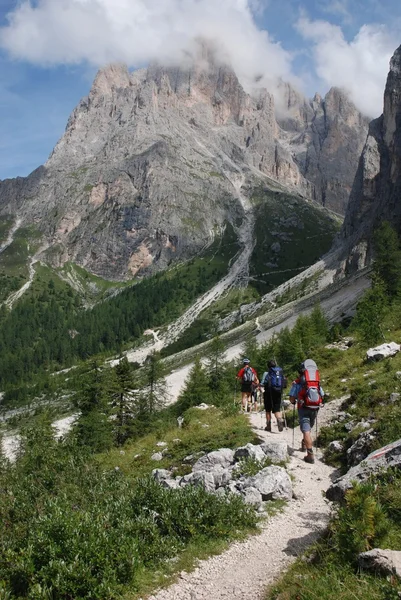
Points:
(307, 392)
(249, 378)
(273, 383)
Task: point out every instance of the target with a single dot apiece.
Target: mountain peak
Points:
(111, 77)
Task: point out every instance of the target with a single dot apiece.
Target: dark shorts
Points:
(272, 400)
(307, 418)
(246, 387)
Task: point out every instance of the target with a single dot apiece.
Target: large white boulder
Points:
(277, 452)
(273, 483)
(383, 351)
(223, 457)
(386, 562)
(249, 451)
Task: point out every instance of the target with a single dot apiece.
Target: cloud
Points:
(338, 8)
(359, 66)
(53, 32)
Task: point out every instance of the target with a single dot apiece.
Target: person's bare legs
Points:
(246, 397)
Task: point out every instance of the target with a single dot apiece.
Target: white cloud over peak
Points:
(359, 66)
(136, 32)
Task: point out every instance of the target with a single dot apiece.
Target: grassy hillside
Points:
(49, 327)
(291, 234)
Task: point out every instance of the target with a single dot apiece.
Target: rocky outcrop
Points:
(377, 187)
(385, 562)
(151, 164)
(326, 137)
(217, 472)
(378, 461)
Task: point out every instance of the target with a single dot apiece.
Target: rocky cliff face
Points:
(376, 191)
(152, 164)
(326, 138)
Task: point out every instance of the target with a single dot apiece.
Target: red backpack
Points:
(310, 380)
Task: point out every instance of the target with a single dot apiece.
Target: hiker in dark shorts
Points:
(248, 377)
(273, 382)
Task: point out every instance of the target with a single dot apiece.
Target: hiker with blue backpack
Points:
(308, 394)
(273, 382)
(249, 379)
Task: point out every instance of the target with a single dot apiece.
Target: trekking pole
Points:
(235, 392)
(293, 427)
(316, 445)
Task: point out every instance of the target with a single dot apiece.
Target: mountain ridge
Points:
(146, 172)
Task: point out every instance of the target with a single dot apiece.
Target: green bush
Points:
(73, 530)
(359, 525)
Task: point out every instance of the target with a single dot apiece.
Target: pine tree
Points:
(124, 401)
(370, 312)
(94, 428)
(154, 394)
(387, 265)
(196, 388)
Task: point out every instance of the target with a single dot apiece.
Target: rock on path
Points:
(246, 568)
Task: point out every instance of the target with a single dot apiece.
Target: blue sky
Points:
(50, 51)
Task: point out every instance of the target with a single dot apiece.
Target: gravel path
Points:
(246, 568)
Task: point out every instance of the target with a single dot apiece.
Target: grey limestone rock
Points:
(277, 452)
(360, 448)
(222, 477)
(378, 460)
(335, 446)
(223, 457)
(383, 351)
(157, 456)
(161, 474)
(249, 451)
(377, 183)
(147, 169)
(386, 562)
(252, 496)
(203, 479)
(272, 482)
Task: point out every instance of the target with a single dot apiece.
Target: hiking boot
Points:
(280, 424)
(309, 458)
(268, 427)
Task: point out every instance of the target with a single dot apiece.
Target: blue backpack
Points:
(276, 379)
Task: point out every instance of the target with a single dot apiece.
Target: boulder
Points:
(377, 461)
(170, 483)
(383, 351)
(394, 397)
(273, 483)
(161, 474)
(277, 452)
(223, 457)
(161, 444)
(204, 406)
(157, 456)
(361, 448)
(191, 458)
(222, 477)
(234, 487)
(249, 451)
(252, 496)
(335, 446)
(203, 479)
(386, 562)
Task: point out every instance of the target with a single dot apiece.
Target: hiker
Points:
(248, 377)
(307, 392)
(273, 382)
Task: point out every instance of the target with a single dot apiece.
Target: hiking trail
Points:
(246, 568)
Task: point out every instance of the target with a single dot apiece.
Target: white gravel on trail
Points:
(245, 570)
